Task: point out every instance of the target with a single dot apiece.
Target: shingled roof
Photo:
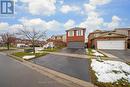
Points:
(76, 28)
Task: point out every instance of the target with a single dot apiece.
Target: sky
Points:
(56, 16)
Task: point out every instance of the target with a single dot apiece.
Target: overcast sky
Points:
(56, 16)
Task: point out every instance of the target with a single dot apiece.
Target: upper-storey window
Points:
(79, 33)
(71, 33)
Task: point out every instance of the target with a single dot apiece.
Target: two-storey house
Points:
(75, 37)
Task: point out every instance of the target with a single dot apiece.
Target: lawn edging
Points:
(15, 57)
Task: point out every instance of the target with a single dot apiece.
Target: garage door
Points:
(75, 45)
(117, 45)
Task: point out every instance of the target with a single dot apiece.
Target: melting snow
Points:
(110, 71)
(28, 57)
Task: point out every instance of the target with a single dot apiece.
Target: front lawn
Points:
(110, 73)
(22, 54)
(53, 49)
(92, 52)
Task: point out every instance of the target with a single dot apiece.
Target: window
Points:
(71, 33)
(79, 32)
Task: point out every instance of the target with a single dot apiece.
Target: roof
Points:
(76, 28)
(58, 35)
(122, 28)
(111, 35)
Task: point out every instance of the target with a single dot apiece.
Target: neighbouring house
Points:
(21, 45)
(75, 37)
(93, 35)
(124, 31)
(107, 40)
(55, 43)
(25, 42)
(59, 37)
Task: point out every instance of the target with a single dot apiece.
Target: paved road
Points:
(71, 66)
(14, 74)
(74, 51)
(122, 54)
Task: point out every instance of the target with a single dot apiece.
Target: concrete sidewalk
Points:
(70, 55)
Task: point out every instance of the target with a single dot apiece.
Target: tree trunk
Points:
(8, 46)
(33, 44)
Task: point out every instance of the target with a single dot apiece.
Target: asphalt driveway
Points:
(122, 54)
(73, 51)
(75, 67)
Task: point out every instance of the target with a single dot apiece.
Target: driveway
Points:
(73, 51)
(15, 74)
(74, 67)
(122, 54)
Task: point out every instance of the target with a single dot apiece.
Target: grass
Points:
(21, 54)
(53, 49)
(120, 83)
(91, 53)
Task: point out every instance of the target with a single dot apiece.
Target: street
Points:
(14, 74)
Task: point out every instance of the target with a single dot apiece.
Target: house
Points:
(124, 31)
(59, 37)
(93, 35)
(26, 42)
(107, 40)
(75, 37)
(56, 43)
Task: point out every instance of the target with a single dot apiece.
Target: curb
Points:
(59, 77)
(70, 55)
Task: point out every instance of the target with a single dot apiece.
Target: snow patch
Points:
(110, 71)
(28, 57)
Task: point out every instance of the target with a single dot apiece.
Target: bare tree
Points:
(32, 35)
(7, 39)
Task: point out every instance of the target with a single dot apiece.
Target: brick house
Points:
(75, 37)
(124, 31)
(107, 40)
(59, 37)
(93, 35)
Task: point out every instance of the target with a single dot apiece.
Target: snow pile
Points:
(110, 71)
(28, 57)
(39, 52)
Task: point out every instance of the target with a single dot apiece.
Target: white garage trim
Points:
(111, 44)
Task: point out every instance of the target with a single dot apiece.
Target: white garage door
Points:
(117, 45)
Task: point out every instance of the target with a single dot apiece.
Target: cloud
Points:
(67, 8)
(92, 22)
(114, 23)
(4, 25)
(99, 2)
(41, 7)
(89, 7)
(61, 1)
(94, 19)
(38, 23)
(69, 24)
